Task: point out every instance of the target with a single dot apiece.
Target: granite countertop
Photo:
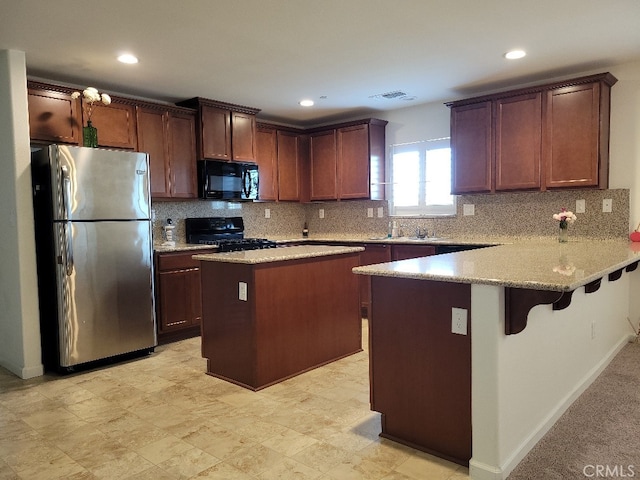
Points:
(534, 264)
(276, 254)
(347, 239)
(180, 246)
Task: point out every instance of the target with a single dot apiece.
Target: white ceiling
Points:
(270, 54)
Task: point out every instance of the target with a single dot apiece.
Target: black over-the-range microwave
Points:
(219, 180)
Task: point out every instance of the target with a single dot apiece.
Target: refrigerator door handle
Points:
(68, 248)
(66, 198)
(66, 192)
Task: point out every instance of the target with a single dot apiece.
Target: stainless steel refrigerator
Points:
(94, 253)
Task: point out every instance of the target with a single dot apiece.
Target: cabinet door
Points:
(353, 162)
(152, 139)
(403, 252)
(471, 148)
(216, 133)
(266, 155)
(182, 155)
(571, 129)
(178, 291)
(373, 253)
(116, 124)
(323, 162)
(518, 142)
(53, 117)
(243, 137)
(288, 166)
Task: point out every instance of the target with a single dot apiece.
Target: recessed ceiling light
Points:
(515, 54)
(127, 58)
(306, 103)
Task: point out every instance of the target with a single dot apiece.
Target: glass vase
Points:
(563, 235)
(90, 135)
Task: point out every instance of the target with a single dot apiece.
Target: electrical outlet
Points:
(580, 206)
(380, 212)
(369, 212)
(468, 209)
(607, 205)
(242, 291)
(459, 321)
(267, 213)
(321, 213)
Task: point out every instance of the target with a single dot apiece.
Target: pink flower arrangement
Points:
(565, 218)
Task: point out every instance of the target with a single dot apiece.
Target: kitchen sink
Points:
(408, 239)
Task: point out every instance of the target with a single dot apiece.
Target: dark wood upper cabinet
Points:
(216, 133)
(168, 136)
(152, 139)
(289, 151)
(267, 159)
(182, 155)
(116, 124)
(518, 142)
(577, 136)
(243, 137)
(536, 138)
(279, 155)
(323, 165)
(224, 131)
(53, 115)
(346, 161)
(471, 148)
(353, 161)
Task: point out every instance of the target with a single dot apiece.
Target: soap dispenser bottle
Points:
(168, 233)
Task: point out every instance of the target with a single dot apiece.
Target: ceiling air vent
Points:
(390, 95)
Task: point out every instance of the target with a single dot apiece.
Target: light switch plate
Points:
(459, 321)
(321, 213)
(468, 209)
(380, 212)
(267, 213)
(242, 291)
(580, 206)
(607, 205)
(369, 212)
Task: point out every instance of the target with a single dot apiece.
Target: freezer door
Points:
(105, 289)
(98, 184)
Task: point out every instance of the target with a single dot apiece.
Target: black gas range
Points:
(226, 233)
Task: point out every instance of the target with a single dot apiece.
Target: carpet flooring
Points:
(599, 435)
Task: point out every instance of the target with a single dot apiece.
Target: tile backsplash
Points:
(518, 214)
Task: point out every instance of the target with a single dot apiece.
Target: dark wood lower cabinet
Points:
(178, 302)
(298, 315)
(373, 253)
(382, 253)
(420, 371)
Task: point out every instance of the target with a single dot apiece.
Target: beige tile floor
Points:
(162, 417)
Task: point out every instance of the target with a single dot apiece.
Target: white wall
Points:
(19, 324)
(522, 383)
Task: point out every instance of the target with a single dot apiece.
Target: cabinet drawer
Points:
(178, 261)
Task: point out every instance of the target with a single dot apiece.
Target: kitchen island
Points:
(536, 322)
(270, 314)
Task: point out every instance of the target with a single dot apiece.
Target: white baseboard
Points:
(23, 372)
(479, 471)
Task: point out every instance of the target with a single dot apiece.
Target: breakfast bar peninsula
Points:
(270, 314)
(474, 355)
